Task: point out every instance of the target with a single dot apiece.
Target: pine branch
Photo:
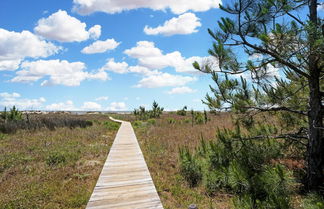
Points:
(274, 109)
(293, 136)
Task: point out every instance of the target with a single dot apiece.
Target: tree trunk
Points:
(315, 161)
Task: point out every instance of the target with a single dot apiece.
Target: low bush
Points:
(34, 122)
(151, 122)
(111, 125)
(137, 124)
(183, 111)
(313, 201)
(240, 167)
(190, 168)
(55, 158)
(171, 121)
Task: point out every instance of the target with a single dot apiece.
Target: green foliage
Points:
(55, 158)
(151, 122)
(13, 115)
(190, 168)
(137, 124)
(183, 111)
(199, 118)
(285, 70)
(142, 114)
(313, 201)
(171, 121)
(156, 110)
(111, 125)
(242, 167)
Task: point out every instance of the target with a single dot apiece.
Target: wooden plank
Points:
(125, 181)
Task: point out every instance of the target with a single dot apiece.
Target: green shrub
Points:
(190, 168)
(13, 115)
(216, 180)
(55, 158)
(241, 167)
(183, 111)
(111, 125)
(313, 201)
(199, 118)
(137, 124)
(151, 122)
(171, 121)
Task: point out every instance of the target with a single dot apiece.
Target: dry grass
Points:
(53, 169)
(160, 145)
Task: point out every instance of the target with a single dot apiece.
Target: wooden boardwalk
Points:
(125, 181)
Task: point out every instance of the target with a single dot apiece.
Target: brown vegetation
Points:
(53, 169)
(160, 144)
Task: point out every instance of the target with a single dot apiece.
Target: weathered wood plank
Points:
(125, 181)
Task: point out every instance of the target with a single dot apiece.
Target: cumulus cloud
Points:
(184, 24)
(123, 67)
(117, 106)
(62, 106)
(100, 46)
(60, 72)
(14, 99)
(62, 27)
(15, 46)
(115, 6)
(151, 57)
(103, 98)
(163, 80)
(95, 32)
(181, 90)
(91, 106)
(116, 67)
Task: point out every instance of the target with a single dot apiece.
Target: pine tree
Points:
(282, 54)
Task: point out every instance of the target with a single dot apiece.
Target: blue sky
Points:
(104, 54)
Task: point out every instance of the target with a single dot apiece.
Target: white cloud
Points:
(184, 24)
(321, 6)
(117, 106)
(181, 90)
(62, 27)
(164, 79)
(14, 99)
(9, 64)
(6, 95)
(67, 106)
(91, 106)
(142, 49)
(116, 67)
(115, 6)
(153, 58)
(95, 32)
(100, 46)
(123, 67)
(60, 72)
(14, 47)
(103, 98)
(185, 66)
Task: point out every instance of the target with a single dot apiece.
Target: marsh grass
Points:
(173, 136)
(53, 168)
(160, 144)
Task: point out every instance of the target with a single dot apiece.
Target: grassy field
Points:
(160, 140)
(58, 168)
(53, 168)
